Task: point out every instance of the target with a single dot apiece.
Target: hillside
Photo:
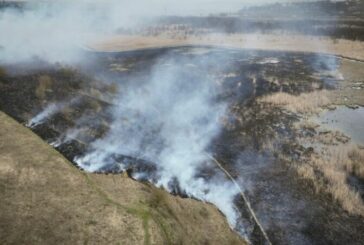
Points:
(45, 200)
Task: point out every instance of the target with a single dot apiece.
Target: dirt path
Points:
(343, 48)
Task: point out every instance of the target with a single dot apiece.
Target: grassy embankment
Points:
(45, 200)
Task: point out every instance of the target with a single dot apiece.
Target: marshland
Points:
(181, 128)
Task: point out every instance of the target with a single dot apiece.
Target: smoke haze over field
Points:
(169, 120)
(56, 30)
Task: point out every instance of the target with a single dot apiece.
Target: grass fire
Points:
(195, 122)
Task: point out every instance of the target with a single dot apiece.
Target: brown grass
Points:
(95, 93)
(299, 43)
(67, 72)
(44, 84)
(158, 198)
(307, 103)
(329, 171)
(2, 72)
(95, 106)
(332, 138)
(307, 124)
(356, 163)
(112, 88)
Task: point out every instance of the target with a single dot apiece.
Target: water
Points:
(347, 120)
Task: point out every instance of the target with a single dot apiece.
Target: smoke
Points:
(49, 112)
(170, 120)
(53, 31)
(56, 31)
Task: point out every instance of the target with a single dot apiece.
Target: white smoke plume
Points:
(56, 31)
(171, 120)
(49, 112)
(44, 115)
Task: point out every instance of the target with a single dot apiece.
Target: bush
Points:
(44, 83)
(2, 72)
(158, 198)
(67, 73)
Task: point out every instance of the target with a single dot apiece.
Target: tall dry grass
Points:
(306, 103)
(330, 170)
(356, 164)
(44, 83)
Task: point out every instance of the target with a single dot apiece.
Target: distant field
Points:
(345, 48)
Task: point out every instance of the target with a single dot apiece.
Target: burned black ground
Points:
(288, 207)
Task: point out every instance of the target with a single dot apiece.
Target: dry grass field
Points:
(329, 171)
(307, 103)
(296, 43)
(334, 158)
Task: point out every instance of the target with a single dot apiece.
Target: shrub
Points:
(158, 198)
(44, 83)
(67, 73)
(2, 72)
